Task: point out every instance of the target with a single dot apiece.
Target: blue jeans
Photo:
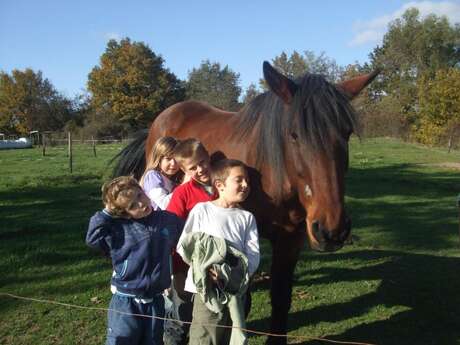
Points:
(125, 329)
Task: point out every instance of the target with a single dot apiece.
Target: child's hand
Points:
(108, 209)
(212, 274)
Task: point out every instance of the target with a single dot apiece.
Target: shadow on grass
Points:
(423, 287)
(43, 230)
(412, 209)
(33, 210)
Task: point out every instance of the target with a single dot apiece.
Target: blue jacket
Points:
(139, 249)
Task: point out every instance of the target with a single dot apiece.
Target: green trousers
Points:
(202, 332)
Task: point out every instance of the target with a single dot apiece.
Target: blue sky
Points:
(65, 39)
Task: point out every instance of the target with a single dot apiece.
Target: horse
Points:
(294, 140)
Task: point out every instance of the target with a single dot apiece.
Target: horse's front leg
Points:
(286, 248)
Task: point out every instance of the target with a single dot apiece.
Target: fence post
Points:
(43, 144)
(458, 205)
(70, 150)
(67, 153)
(94, 146)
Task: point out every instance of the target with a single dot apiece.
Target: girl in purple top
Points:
(161, 175)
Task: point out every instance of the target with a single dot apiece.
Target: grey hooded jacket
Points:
(202, 251)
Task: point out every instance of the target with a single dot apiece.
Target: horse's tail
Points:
(131, 160)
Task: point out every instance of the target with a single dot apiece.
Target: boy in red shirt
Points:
(194, 161)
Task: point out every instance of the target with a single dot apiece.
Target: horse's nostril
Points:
(317, 231)
(326, 234)
(322, 234)
(315, 223)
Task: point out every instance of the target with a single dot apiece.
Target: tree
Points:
(251, 93)
(413, 47)
(379, 116)
(29, 102)
(297, 65)
(439, 107)
(131, 86)
(215, 85)
(322, 64)
(80, 114)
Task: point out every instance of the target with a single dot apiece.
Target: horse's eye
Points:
(294, 135)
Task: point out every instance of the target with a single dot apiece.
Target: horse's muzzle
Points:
(330, 241)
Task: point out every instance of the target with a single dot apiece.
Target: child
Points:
(224, 219)
(139, 242)
(193, 160)
(161, 175)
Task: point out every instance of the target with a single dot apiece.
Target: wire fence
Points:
(50, 140)
(249, 331)
(47, 140)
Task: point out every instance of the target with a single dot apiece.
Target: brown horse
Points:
(294, 138)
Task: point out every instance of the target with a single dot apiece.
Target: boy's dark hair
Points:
(221, 169)
(189, 149)
(117, 194)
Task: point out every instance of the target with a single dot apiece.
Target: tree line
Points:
(416, 96)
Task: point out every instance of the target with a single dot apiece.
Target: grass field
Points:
(398, 283)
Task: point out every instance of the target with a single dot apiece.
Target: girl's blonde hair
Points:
(164, 147)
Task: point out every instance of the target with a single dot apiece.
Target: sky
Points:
(65, 39)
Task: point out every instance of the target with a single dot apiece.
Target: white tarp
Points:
(20, 143)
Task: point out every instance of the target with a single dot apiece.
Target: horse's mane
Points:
(319, 115)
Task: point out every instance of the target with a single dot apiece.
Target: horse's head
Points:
(317, 121)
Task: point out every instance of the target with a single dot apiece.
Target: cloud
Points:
(372, 31)
(365, 36)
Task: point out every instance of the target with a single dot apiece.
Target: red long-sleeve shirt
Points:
(183, 199)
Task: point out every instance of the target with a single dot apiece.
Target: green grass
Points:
(397, 284)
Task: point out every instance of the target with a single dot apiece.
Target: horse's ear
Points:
(284, 87)
(353, 87)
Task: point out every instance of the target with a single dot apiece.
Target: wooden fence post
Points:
(94, 146)
(67, 153)
(458, 205)
(70, 150)
(43, 144)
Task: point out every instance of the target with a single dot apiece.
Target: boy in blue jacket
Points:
(139, 242)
